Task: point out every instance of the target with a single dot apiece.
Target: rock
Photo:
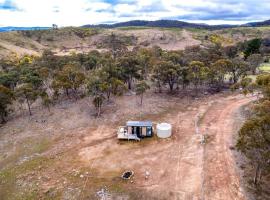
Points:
(147, 174)
(46, 178)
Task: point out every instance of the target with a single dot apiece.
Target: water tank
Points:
(164, 130)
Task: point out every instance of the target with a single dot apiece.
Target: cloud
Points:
(8, 5)
(80, 12)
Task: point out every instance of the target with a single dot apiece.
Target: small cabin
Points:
(140, 128)
(136, 130)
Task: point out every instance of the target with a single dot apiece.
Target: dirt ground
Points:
(69, 154)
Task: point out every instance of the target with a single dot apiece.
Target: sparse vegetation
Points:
(124, 67)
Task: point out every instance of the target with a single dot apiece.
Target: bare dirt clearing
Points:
(69, 154)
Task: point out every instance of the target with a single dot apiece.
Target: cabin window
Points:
(149, 131)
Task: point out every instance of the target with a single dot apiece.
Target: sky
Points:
(81, 12)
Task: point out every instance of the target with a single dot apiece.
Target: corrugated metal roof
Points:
(139, 123)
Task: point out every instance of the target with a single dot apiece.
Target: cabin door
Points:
(144, 132)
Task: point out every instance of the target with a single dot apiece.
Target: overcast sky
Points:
(81, 12)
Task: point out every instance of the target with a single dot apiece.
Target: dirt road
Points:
(220, 177)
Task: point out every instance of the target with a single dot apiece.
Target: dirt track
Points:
(221, 180)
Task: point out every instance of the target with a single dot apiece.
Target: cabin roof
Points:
(139, 123)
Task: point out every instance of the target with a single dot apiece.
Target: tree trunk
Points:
(67, 92)
(129, 84)
(171, 86)
(3, 119)
(234, 79)
(159, 87)
(145, 72)
(255, 180)
(29, 108)
(108, 95)
(177, 86)
(49, 109)
(196, 89)
(99, 110)
(141, 99)
(184, 86)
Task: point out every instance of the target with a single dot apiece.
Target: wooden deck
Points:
(122, 134)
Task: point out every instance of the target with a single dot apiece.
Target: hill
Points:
(259, 24)
(84, 39)
(144, 23)
(160, 24)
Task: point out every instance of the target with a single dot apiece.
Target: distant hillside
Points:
(159, 23)
(258, 24)
(11, 28)
(143, 23)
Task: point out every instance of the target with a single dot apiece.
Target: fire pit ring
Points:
(127, 175)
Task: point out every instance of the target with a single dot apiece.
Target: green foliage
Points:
(254, 136)
(219, 39)
(231, 51)
(117, 44)
(254, 142)
(69, 78)
(263, 82)
(218, 71)
(144, 57)
(167, 72)
(198, 72)
(9, 79)
(252, 47)
(6, 98)
(254, 60)
(128, 69)
(141, 88)
(97, 89)
(107, 74)
(27, 92)
(237, 69)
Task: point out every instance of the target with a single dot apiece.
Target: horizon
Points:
(199, 22)
(31, 13)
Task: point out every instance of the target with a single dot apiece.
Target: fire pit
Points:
(127, 175)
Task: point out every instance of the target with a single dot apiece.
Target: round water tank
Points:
(164, 130)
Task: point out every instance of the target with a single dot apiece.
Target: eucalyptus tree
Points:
(69, 78)
(198, 73)
(26, 92)
(6, 98)
(129, 69)
(218, 71)
(97, 88)
(237, 69)
(141, 87)
(254, 61)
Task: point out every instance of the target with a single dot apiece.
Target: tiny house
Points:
(136, 130)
